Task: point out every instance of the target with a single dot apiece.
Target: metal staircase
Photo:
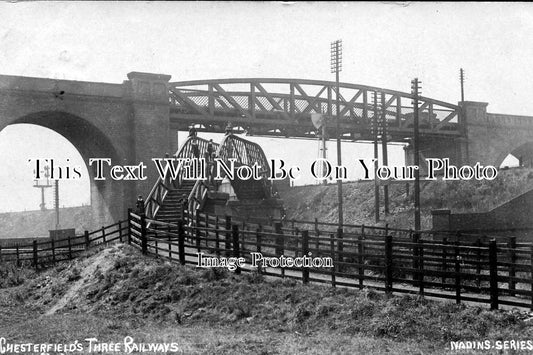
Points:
(168, 199)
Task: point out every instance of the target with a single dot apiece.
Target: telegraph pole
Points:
(462, 79)
(43, 186)
(56, 202)
(375, 134)
(324, 150)
(384, 151)
(462, 116)
(336, 66)
(415, 90)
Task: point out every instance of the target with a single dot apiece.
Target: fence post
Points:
(421, 267)
(340, 246)
(206, 230)
(493, 267)
(35, 259)
(236, 247)
(169, 241)
(0, 253)
(444, 263)
(258, 244)
(512, 268)
(181, 243)
(197, 231)
(120, 231)
(457, 273)
(69, 247)
(305, 250)
(53, 251)
(478, 266)
(144, 241)
(360, 258)
(317, 234)
(531, 276)
(388, 263)
(18, 256)
(280, 247)
(182, 211)
(228, 235)
(129, 225)
(295, 232)
(217, 240)
(332, 252)
(87, 239)
(415, 238)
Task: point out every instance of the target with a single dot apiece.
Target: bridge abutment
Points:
(453, 149)
(150, 135)
(492, 137)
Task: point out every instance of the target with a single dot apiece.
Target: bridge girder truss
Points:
(283, 107)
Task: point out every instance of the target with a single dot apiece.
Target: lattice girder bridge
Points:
(283, 107)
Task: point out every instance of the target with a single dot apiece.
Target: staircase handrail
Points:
(163, 185)
(247, 153)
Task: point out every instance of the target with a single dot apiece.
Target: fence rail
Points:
(44, 253)
(494, 271)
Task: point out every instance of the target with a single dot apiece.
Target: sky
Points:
(384, 45)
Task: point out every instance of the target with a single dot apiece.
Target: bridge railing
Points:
(197, 197)
(247, 153)
(273, 101)
(163, 185)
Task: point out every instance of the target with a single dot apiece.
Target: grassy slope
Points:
(213, 311)
(308, 202)
(30, 224)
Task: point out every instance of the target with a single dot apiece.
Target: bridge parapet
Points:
(55, 86)
(476, 114)
(510, 121)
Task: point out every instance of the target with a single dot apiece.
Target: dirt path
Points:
(101, 261)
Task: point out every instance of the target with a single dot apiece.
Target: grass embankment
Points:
(308, 202)
(31, 224)
(116, 292)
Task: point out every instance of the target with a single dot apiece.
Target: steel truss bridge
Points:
(283, 107)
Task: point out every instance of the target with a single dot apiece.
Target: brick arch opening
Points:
(523, 154)
(107, 196)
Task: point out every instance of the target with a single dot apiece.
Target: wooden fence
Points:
(45, 253)
(473, 268)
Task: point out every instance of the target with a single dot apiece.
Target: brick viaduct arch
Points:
(125, 122)
(90, 143)
(491, 137)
